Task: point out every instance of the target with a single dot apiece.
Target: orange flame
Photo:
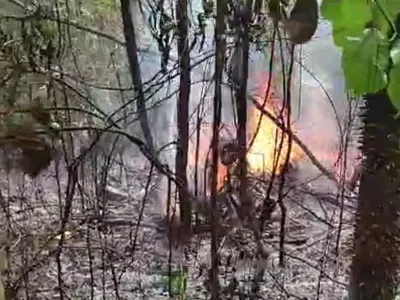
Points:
(205, 157)
(269, 146)
(264, 139)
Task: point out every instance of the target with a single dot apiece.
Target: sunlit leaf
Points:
(348, 18)
(330, 10)
(364, 62)
(384, 13)
(395, 53)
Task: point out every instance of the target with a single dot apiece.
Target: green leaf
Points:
(178, 280)
(395, 53)
(384, 13)
(394, 83)
(348, 18)
(365, 61)
(330, 9)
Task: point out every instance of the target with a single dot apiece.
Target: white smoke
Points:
(318, 97)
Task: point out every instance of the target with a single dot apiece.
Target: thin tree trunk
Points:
(132, 53)
(241, 106)
(376, 237)
(219, 67)
(183, 113)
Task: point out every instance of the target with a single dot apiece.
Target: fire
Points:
(205, 157)
(265, 142)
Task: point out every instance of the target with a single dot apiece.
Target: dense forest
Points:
(175, 149)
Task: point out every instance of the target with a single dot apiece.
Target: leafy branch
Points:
(370, 42)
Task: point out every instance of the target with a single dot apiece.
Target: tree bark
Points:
(376, 237)
(219, 67)
(132, 53)
(183, 113)
(241, 105)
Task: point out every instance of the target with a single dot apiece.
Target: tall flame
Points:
(269, 146)
(264, 142)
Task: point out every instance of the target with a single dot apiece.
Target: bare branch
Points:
(297, 140)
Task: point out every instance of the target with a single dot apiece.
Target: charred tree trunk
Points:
(376, 247)
(132, 53)
(183, 113)
(219, 67)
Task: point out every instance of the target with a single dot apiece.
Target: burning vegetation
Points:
(268, 147)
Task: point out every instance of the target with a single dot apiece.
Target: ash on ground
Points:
(113, 249)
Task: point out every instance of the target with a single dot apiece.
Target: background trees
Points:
(109, 94)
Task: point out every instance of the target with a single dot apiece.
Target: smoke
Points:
(323, 113)
(319, 101)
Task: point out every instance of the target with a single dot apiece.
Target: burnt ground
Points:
(98, 260)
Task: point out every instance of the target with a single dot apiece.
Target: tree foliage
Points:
(36, 45)
(366, 33)
(27, 53)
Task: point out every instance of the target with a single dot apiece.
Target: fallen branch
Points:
(303, 146)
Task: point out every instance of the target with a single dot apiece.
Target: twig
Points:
(303, 146)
